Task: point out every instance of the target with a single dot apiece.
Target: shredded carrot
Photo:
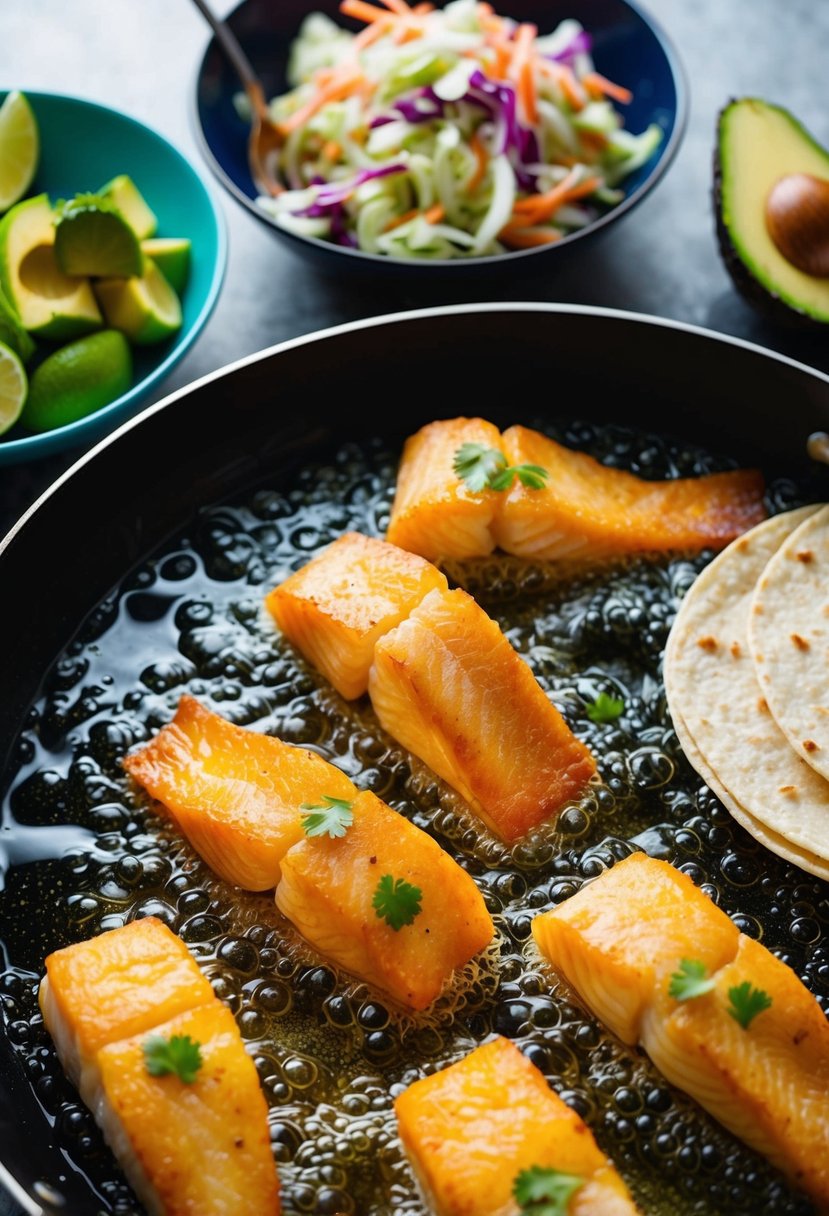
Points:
(524, 238)
(360, 10)
(598, 85)
(570, 87)
(547, 204)
(435, 214)
(483, 160)
(407, 31)
(372, 32)
(338, 88)
(559, 190)
(401, 219)
(596, 141)
(397, 6)
(332, 150)
(421, 9)
(503, 56)
(520, 70)
(485, 9)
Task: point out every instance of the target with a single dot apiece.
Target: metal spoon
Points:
(265, 139)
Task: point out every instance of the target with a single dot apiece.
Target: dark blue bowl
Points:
(627, 46)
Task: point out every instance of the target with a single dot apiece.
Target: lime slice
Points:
(78, 379)
(171, 255)
(19, 148)
(12, 387)
(146, 310)
(92, 238)
(12, 332)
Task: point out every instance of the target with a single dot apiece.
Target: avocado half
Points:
(757, 144)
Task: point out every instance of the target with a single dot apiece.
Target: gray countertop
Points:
(142, 55)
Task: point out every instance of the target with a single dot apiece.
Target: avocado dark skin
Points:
(763, 301)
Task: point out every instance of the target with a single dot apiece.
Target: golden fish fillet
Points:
(448, 685)
(620, 959)
(434, 513)
(471, 1129)
(336, 607)
(767, 1081)
(200, 1149)
(589, 510)
(234, 793)
(191, 1149)
(329, 886)
(118, 984)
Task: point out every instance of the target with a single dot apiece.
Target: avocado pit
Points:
(797, 218)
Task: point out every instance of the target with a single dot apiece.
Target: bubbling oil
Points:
(332, 1053)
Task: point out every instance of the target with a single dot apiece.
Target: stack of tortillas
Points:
(747, 680)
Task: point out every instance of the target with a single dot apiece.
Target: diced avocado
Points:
(123, 193)
(48, 302)
(145, 309)
(758, 144)
(171, 255)
(12, 332)
(93, 238)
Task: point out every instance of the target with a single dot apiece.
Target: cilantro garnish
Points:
(690, 981)
(605, 708)
(179, 1054)
(396, 901)
(484, 468)
(332, 817)
(747, 1002)
(540, 1191)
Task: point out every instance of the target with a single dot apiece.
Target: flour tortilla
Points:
(789, 639)
(713, 692)
(774, 842)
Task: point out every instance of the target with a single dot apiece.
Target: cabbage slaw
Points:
(446, 133)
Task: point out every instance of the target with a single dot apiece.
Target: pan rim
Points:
(648, 320)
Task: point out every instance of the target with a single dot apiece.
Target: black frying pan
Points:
(241, 425)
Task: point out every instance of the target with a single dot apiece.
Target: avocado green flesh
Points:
(760, 143)
(46, 300)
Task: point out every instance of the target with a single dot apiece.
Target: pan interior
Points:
(86, 852)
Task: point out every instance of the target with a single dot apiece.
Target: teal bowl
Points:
(83, 145)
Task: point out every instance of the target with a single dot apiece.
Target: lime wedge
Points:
(171, 255)
(12, 332)
(146, 310)
(19, 148)
(78, 379)
(93, 238)
(12, 387)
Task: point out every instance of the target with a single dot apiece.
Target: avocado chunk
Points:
(125, 196)
(758, 144)
(93, 238)
(48, 303)
(171, 255)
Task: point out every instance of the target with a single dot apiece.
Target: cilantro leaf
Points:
(396, 901)
(541, 1191)
(332, 817)
(533, 476)
(747, 1002)
(179, 1054)
(484, 468)
(605, 708)
(690, 981)
(477, 464)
